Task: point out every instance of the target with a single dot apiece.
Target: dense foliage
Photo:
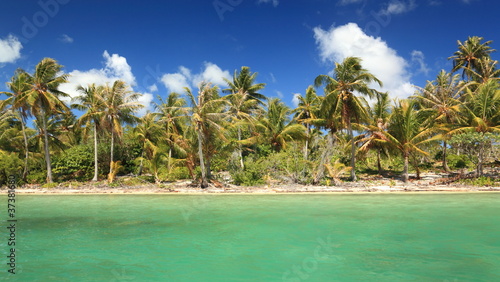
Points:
(450, 123)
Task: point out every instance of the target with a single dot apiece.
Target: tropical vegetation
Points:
(341, 124)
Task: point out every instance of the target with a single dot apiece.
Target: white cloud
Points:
(274, 2)
(153, 88)
(213, 74)
(145, 99)
(417, 57)
(377, 57)
(279, 94)
(10, 49)
(396, 7)
(175, 82)
(66, 39)
(295, 100)
(116, 68)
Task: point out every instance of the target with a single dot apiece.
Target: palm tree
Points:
(43, 99)
(172, 116)
(279, 129)
(469, 53)
(92, 102)
(120, 106)
(486, 70)
(482, 108)
(206, 117)
(147, 132)
(349, 77)
(373, 137)
(442, 98)
(407, 131)
(240, 108)
(18, 86)
(244, 82)
(306, 113)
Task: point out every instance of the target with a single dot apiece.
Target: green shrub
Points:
(76, 163)
(458, 162)
(36, 177)
(480, 181)
(10, 164)
(178, 173)
(50, 185)
(253, 174)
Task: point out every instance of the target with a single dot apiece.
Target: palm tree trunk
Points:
(169, 159)
(353, 152)
(240, 150)
(405, 169)
(112, 151)
(26, 149)
(204, 182)
(142, 161)
(96, 163)
(325, 156)
(445, 163)
(379, 165)
(46, 146)
(306, 145)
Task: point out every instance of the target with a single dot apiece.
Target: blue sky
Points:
(161, 46)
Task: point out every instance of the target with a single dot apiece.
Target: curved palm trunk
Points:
(96, 164)
(26, 149)
(445, 162)
(46, 146)
(204, 181)
(353, 153)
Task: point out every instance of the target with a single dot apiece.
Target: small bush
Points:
(253, 174)
(458, 162)
(37, 177)
(480, 181)
(50, 185)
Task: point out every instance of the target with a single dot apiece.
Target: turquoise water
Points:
(439, 237)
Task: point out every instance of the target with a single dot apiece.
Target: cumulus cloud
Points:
(66, 39)
(377, 57)
(274, 2)
(396, 7)
(175, 82)
(10, 49)
(116, 68)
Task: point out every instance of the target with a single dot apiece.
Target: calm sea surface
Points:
(390, 237)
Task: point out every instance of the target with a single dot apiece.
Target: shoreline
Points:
(254, 190)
